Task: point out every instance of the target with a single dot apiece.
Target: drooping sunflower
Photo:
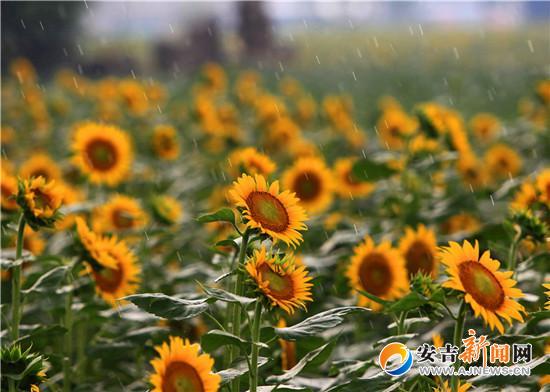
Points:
(165, 142)
(277, 214)
(312, 182)
(250, 161)
(288, 349)
(346, 183)
(281, 280)
(40, 165)
(167, 209)
(120, 213)
(40, 201)
(8, 189)
(103, 152)
(489, 292)
(503, 161)
(181, 367)
(543, 185)
(379, 270)
(120, 280)
(419, 251)
(485, 126)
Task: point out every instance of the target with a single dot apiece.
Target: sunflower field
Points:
(240, 231)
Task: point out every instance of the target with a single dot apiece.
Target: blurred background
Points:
(470, 52)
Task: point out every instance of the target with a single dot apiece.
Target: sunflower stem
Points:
(253, 370)
(457, 337)
(512, 253)
(11, 385)
(68, 322)
(16, 281)
(401, 323)
(236, 323)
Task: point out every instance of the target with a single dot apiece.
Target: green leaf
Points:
(367, 170)
(223, 215)
(226, 296)
(282, 388)
(290, 374)
(318, 323)
(411, 301)
(216, 338)
(238, 369)
(228, 243)
(49, 281)
(374, 298)
(167, 307)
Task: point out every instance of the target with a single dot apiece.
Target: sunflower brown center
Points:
(123, 219)
(268, 211)
(481, 284)
(307, 186)
(419, 258)
(101, 155)
(40, 173)
(166, 142)
(108, 280)
(181, 377)
(375, 274)
(280, 285)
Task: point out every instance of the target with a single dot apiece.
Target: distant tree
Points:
(42, 31)
(254, 27)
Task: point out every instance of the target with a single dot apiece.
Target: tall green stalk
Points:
(68, 322)
(253, 371)
(16, 281)
(236, 322)
(457, 337)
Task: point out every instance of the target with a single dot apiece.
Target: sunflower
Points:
(472, 171)
(120, 213)
(277, 214)
(485, 126)
(543, 91)
(393, 127)
(119, 280)
(460, 223)
(502, 161)
(543, 185)
(419, 250)
(103, 152)
(312, 182)
(347, 184)
(489, 292)
(288, 349)
(437, 340)
(40, 201)
(525, 197)
(8, 189)
(180, 367)
(250, 161)
(547, 304)
(93, 245)
(33, 242)
(40, 165)
(281, 280)
(167, 209)
(165, 142)
(379, 270)
(462, 387)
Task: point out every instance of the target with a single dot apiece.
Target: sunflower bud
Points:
(24, 367)
(40, 201)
